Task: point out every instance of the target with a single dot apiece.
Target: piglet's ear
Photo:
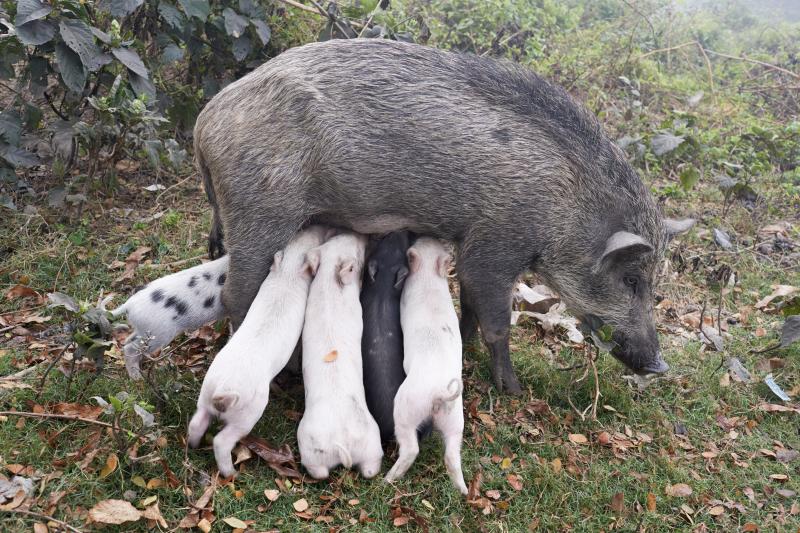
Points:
(311, 264)
(276, 261)
(347, 272)
(372, 270)
(414, 260)
(443, 264)
(400, 277)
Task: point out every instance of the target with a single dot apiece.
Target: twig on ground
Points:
(41, 516)
(27, 414)
(49, 368)
(165, 191)
(596, 381)
(180, 262)
(298, 5)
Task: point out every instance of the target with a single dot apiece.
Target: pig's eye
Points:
(632, 282)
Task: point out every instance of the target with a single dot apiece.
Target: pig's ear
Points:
(623, 244)
(311, 264)
(276, 261)
(443, 264)
(400, 277)
(347, 272)
(414, 259)
(372, 270)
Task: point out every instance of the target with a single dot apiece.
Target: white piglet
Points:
(236, 386)
(168, 306)
(432, 361)
(337, 427)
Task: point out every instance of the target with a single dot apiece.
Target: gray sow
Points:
(382, 339)
(380, 136)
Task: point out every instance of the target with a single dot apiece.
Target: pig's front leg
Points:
(490, 296)
(251, 244)
(468, 323)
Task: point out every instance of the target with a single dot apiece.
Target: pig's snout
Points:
(657, 366)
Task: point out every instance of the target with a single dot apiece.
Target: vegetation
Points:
(98, 195)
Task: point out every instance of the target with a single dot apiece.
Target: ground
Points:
(698, 449)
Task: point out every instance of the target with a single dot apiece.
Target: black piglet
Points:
(382, 340)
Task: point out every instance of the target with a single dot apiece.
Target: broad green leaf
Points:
(241, 47)
(72, 70)
(171, 53)
(235, 24)
(130, 59)
(29, 10)
(171, 15)
(664, 143)
(79, 37)
(263, 31)
(18, 157)
(142, 85)
(10, 127)
(196, 8)
(791, 331)
(120, 8)
(36, 32)
(689, 177)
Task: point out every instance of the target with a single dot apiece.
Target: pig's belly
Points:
(387, 223)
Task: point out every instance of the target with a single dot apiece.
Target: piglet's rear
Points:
(336, 427)
(236, 387)
(169, 306)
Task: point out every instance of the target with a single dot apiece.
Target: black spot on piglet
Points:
(208, 302)
(221, 279)
(170, 301)
(206, 276)
(193, 281)
(157, 295)
(181, 307)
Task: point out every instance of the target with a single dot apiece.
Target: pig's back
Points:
(401, 128)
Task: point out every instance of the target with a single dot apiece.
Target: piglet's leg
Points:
(198, 426)
(406, 435)
(452, 427)
(132, 353)
(223, 446)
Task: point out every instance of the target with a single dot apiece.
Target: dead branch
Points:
(27, 414)
(41, 516)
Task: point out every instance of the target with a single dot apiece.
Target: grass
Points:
(564, 485)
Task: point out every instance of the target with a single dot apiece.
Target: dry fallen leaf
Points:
(651, 502)
(505, 464)
(514, 481)
(21, 291)
(400, 521)
(556, 464)
(577, 438)
(750, 527)
(235, 522)
(679, 490)
(152, 512)
(204, 525)
(111, 465)
(618, 502)
(38, 527)
(272, 494)
(779, 291)
(779, 477)
(717, 510)
(114, 512)
(300, 505)
(493, 494)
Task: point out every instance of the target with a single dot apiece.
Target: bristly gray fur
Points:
(377, 136)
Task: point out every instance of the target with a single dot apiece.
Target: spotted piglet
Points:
(236, 386)
(432, 361)
(336, 427)
(168, 306)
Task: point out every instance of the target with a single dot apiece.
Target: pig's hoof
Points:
(508, 383)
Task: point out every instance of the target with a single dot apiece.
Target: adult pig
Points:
(382, 339)
(379, 136)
